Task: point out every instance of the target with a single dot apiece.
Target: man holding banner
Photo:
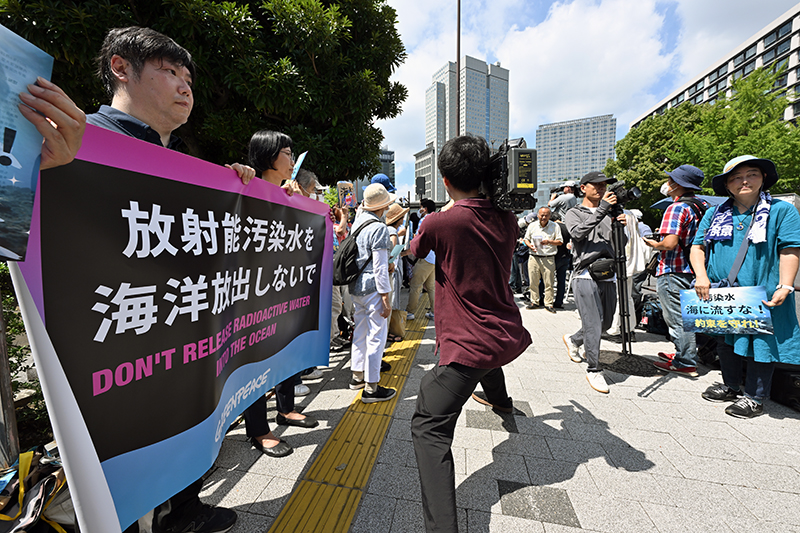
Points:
(187, 296)
(149, 77)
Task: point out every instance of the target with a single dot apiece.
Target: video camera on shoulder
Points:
(512, 176)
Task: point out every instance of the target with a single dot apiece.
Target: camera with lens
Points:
(512, 176)
(624, 195)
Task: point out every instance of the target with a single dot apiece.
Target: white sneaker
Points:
(573, 350)
(597, 381)
(316, 374)
(301, 390)
(410, 316)
(429, 315)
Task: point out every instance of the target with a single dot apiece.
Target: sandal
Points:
(393, 338)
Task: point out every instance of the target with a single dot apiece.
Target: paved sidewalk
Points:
(650, 456)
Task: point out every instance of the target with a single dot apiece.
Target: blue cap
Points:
(688, 177)
(384, 180)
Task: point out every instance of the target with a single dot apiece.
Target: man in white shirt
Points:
(543, 239)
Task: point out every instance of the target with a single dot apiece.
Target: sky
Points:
(567, 59)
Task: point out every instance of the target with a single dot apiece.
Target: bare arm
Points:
(670, 242)
(697, 257)
(788, 261)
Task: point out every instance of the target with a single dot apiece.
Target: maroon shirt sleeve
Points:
(478, 324)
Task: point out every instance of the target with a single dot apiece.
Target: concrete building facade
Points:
(775, 45)
(568, 150)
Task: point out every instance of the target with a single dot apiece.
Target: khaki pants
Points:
(424, 273)
(544, 268)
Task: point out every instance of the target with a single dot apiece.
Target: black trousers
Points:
(255, 416)
(442, 393)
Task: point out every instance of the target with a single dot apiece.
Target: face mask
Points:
(313, 196)
(665, 189)
(420, 214)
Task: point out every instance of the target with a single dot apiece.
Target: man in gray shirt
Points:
(589, 225)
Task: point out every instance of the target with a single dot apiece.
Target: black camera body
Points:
(624, 195)
(512, 177)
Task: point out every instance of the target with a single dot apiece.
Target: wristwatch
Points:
(789, 288)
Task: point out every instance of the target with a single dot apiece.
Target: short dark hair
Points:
(428, 204)
(265, 145)
(138, 45)
(464, 162)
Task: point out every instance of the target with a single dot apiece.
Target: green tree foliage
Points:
(650, 149)
(317, 70)
(750, 121)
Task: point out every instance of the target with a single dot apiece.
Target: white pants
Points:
(369, 337)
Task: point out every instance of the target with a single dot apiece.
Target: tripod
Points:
(621, 263)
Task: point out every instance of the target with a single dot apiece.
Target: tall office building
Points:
(775, 45)
(568, 150)
(387, 163)
(482, 110)
(387, 167)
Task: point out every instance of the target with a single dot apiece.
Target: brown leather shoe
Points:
(499, 408)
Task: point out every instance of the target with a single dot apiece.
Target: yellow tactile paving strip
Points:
(327, 497)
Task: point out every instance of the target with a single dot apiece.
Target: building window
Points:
(721, 71)
(696, 87)
(698, 99)
(719, 86)
(744, 56)
(744, 71)
(770, 55)
(773, 37)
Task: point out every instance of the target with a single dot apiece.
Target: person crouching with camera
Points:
(594, 287)
(478, 326)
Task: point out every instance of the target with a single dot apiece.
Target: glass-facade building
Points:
(482, 110)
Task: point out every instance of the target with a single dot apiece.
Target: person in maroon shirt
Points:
(478, 326)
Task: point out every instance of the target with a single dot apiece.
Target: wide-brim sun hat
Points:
(765, 165)
(395, 213)
(688, 177)
(377, 197)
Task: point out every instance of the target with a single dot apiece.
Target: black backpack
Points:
(345, 265)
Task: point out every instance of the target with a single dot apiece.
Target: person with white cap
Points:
(771, 260)
(674, 274)
(561, 203)
(370, 293)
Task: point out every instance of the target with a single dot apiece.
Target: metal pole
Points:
(9, 438)
(458, 71)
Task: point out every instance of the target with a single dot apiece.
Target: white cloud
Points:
(712, 28)
(585, 58)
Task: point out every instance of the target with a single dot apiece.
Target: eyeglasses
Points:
(288, 152)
